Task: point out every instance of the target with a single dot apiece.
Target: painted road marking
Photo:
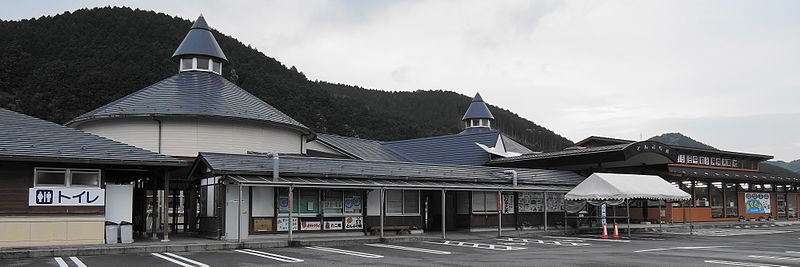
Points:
(182, 261)
(678, 248)
(476, 245)
(61, 262)
(431, 251)
(77, 261)
(593, 239)
(793, 252)
(347, 252)
(564, 242)
(269, 255)
(774, 258)
(737, 263)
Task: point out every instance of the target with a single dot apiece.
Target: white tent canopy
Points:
(615, 186)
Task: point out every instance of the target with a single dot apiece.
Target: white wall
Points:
(186, 137)
(233, 225)
(318, 146)
(374, 203)
(263, 201)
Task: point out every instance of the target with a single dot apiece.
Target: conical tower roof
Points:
(477, 109)
(200, 41)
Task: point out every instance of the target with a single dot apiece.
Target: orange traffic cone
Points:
(605, 232)
(616, 232)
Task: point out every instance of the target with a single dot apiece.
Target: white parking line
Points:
(750, 264)
(774, 258)
(593, 239)
(793, 252)
(182, 261)
(476, 245)
(431, 251)
(678, 248)
(563, 242)
(347, 252)
(61, 262)
(269, 255)
(77, 261)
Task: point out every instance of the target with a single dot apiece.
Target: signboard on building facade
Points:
(310, 225)
(531, 201)
(352, 204)
(283, 224)
(333, 225)
(351, 223)
(756, 202)
(66, 197)
(508, 204)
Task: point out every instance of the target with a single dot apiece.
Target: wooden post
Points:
(444, 212)
(165, 208)
(499, 213)
(628, 207)
(291, 199)
(544, 195)
(154, 207)
(383, 208)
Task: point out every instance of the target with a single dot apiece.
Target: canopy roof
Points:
(614, 186)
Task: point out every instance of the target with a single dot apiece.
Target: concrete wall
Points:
(185, 137)
(21, 231)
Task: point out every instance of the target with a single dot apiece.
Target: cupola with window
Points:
(199, 50)
(478, 117)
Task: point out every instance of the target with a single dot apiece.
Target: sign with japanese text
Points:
(508, 204)
(756, 202)
(351, 223)
(283, 224)
(332, 225)
(66, 197)
(310, 225)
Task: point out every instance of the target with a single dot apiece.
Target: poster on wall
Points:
(283, 204)
(351, 223)
(310, 225)
(756, 203)
(262, 224)
(283, 224)
(352, 204)
(508, 204)
(531, 202)
(332, 225)
(555, 202)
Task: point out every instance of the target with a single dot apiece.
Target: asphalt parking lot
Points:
(745, 247)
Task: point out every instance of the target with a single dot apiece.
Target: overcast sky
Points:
(726, 73)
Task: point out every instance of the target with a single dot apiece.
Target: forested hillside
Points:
(679, 139)
(58, 67)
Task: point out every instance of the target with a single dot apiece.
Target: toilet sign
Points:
(66, 197)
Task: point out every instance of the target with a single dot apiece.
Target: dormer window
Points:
(201, 64)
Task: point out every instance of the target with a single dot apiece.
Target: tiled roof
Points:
(193, 93)
(562, 153)
(730, 175)
(458, 149)
(25, 138)
(477, 109)
(513, 146)
(360, 148)
(200, 41)
(328, 168)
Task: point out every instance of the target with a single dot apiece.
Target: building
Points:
(60, 185)
(724, 185)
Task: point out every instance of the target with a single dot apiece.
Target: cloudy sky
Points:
(724, 72)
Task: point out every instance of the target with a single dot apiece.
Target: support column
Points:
(154, 207)
(499, 213)
(239, 217)
(291, 199)
(444, 213)
(383, 207)
(628, 208)
(165, 208)
(545, 212)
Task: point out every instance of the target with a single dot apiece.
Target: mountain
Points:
(792, 165)
(59, 67)
(679, 139)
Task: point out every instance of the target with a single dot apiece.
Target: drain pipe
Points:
(275, 165)
(513, 176)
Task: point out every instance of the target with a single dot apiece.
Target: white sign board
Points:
(332, 225)
(283, 224)
(66, 197)
(508, 204)
(310, 225)
(351, 223)
(119, 204)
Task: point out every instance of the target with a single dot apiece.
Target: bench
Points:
(400, 229)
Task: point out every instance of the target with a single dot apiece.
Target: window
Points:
(717, 201)
(208, 189)
(305, 201)
(402, 202)
(701, 194)
(48, 177)
(352, 202)
(332, 203)
(187, 63)
(731, 200)
(217, 67)
(484, 201)
(202, 63)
